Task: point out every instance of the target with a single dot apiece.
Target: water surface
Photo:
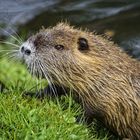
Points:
(119, 19)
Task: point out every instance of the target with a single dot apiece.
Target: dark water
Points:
(118, 18)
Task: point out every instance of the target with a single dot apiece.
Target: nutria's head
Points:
(61, 54)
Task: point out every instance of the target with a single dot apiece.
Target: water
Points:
(120, 19)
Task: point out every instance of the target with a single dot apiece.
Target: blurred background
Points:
(119, 19)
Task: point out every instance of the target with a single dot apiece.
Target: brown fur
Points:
(105, 78)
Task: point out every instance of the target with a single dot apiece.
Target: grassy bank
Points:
(30, 118)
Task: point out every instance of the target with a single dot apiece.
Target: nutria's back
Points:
(105, 78)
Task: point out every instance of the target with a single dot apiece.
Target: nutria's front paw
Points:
(49, 91)
(42, 93)
(2, 87)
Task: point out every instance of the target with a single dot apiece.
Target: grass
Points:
(33, 119)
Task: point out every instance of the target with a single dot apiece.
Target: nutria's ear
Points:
(83, 44)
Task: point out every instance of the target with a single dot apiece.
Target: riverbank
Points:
(31, 118)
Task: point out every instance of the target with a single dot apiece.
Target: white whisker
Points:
(46, 76)
(12, 36)
(9, 43)
(17, 35)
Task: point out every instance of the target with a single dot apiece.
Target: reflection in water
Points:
(132, 46)
(21, 11)
(120, 19)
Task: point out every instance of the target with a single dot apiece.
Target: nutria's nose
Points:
(25, 50)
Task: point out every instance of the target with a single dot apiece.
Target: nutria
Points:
(101, 75)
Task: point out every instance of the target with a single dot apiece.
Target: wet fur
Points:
(103, 77)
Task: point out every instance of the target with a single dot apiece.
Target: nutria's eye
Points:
(83, 44)
(59, 47)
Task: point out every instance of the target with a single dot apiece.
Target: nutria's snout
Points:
(26, 52)
(25, 49)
